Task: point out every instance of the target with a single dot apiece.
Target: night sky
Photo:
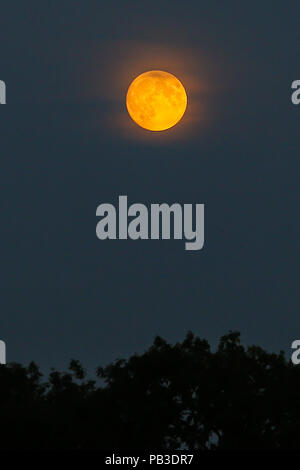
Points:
(67, 145)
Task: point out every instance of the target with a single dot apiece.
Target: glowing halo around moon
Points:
(156, 100)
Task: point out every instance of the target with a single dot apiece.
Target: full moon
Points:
(156, 100)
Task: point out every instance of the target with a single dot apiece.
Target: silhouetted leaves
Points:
(172, 396)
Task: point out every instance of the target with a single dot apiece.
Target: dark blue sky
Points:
(67, 145)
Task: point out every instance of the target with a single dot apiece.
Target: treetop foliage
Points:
(170, 397)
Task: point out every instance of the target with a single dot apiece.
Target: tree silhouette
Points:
(171, 397)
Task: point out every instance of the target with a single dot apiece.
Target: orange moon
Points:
(156, 100)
